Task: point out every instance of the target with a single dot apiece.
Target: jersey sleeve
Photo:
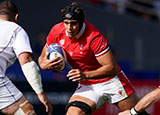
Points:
(99, 45)
(21, 43)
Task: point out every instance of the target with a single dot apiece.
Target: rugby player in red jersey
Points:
(100, 78)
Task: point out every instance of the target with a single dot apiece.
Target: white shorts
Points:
(113, 90)
(8, 92)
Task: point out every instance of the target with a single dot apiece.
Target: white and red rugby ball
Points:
(56, 50)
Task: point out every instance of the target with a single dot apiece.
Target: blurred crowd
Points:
(145, 9)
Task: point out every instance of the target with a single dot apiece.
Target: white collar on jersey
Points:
(80, 32)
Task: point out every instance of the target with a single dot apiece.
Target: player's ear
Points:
(16, 17)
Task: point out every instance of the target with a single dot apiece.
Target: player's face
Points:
(72, 27)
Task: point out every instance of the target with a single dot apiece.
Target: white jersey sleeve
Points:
(21, 43)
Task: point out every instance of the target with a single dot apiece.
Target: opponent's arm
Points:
(144, 103)
(148, 100)
(31, 71)
(33, 76)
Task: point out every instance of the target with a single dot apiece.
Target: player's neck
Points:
(2, 17)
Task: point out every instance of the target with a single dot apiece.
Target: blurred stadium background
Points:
(132, 28)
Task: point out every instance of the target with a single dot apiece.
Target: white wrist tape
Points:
(33, 76)
(133, 111)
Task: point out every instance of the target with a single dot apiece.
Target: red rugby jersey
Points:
(81, 52)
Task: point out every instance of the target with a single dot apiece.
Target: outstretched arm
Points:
(144, 103)
(148, 99)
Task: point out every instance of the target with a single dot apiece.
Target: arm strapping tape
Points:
(33, 76)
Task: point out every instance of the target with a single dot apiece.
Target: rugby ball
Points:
(54, 51)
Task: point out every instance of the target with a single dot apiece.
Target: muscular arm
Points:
(24, 58)
(32, 74)
(145, 102)
(41, 57)
(148, 99)
(108, 69)
(31, 71)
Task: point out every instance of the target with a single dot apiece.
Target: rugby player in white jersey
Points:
(15, 44)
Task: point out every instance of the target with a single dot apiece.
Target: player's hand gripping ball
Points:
(54, 51)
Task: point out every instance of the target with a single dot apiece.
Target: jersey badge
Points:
(62, 42)
(70, 53)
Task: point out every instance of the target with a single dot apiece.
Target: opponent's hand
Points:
(53, 64)
(43, 98)
(127, 112)
(76, 75)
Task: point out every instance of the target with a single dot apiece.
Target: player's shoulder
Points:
(10, 24)
(57, 29)
(58, 26)
(90, 26)
(91, 30)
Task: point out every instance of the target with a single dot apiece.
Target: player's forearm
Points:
(24, 58)
(102, 72)
(141, 105)
(148, 99)
(40, 63)
(43, 98)
(42, 59)
(33, 76)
